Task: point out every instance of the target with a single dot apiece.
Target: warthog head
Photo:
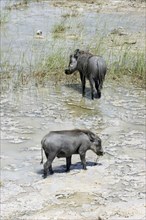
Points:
(72, 67)
(96, 146)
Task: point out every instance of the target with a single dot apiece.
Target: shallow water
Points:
(118, 117)
(21, 48)
(29, 114)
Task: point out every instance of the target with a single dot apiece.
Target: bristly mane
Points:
(87, 132)
(79, 52)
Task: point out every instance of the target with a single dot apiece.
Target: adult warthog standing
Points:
(66, 143)
(89, 66)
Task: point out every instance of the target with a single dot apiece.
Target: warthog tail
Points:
(102, 71)
(41, 155)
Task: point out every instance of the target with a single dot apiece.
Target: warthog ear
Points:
(94, 138)
(76, 53)
(91, 137)
(77, 50)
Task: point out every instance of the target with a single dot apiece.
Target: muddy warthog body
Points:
(66, 143)
(89, 66)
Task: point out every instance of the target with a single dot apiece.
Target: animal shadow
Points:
(78, 88)
(76, 166)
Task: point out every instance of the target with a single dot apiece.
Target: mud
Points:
(113, 187)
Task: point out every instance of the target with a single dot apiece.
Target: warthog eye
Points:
(99, 141)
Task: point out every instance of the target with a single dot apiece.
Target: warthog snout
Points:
(101, 153)
(67, 71)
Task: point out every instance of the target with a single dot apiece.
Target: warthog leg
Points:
(48, 165)
(68, 163)
(83, 160)
(92, 87)
(83, 81)
(98, 89)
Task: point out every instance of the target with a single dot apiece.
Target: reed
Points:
(4, 17)
(59, 29)
(1, 184)
(17, 5)
(130, 63)
(121, 61)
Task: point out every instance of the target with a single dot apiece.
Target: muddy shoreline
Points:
(106, 6)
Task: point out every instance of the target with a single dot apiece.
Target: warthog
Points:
(89, 66)
(66, 143)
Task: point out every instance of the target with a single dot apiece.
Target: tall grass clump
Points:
(130, 63)
(1, 184)
(121, 60)
(51, 67)
(17, 5)
(58, 29)
(71, 14)
(4, 17)
(139, 65)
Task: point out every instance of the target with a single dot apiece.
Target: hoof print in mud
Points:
(65, 143)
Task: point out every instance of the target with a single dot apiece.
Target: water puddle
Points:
(29, 114)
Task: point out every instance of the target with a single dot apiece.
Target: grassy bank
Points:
(131, 64)
(121, 62)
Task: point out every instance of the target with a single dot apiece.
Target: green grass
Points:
(71, 14)
(51, 67)
(1, 184)
(17, 5)
(124, 63)
(4, 17)
(59, 28)
(121, 61)
(130, 63)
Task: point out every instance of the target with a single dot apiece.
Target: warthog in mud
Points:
(89, 66)
(66, 143)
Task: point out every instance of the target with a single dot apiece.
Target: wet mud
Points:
(113, 185)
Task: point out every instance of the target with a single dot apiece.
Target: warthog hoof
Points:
(51, 172)
(97, 95)
(44, 175)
